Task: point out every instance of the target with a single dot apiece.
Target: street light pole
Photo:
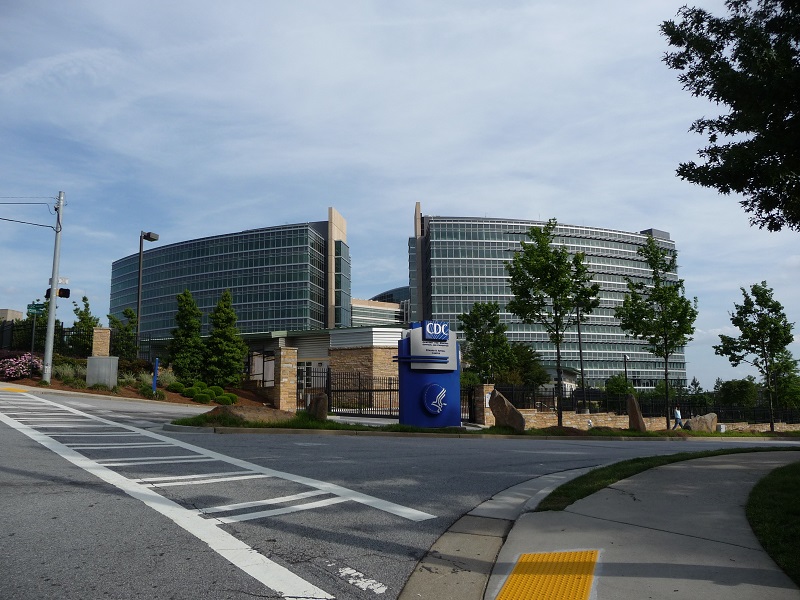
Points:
(150, 237)
(47, 368)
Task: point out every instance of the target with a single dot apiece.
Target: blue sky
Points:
(198, 118)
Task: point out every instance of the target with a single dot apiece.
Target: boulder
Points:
(702, 423)
(318, 407)
(635, 418)
(505, 413)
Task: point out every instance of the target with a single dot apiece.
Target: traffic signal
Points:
(62, 293)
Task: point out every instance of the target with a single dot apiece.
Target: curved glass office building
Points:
(455, 262)
(284, 278)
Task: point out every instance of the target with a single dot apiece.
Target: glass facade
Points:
(277, 276)
(456, 262)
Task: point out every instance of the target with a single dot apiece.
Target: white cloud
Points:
(198, 118)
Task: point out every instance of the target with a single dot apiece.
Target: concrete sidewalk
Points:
(677, 531)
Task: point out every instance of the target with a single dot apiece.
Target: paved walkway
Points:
(677, 532)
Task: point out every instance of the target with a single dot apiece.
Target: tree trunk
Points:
(666, 386)
(560, 385)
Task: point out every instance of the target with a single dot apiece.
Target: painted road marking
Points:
(269, 573)
(200, 523)
(243, 505)
(551, 575)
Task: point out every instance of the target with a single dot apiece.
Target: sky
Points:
(197, 118)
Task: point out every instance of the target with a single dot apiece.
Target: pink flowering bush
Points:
(20, 366)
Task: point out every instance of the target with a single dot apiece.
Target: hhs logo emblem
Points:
(433, 398)
(436, 330)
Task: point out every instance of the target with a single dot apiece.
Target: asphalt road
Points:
(99, 502)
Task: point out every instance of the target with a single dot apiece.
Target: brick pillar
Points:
(284, 395)
(483, 415)
(101, 341)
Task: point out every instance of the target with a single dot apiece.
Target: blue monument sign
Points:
(429, 369)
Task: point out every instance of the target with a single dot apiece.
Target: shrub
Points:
(216, 390)
(126, 378)
(203, 398)
(21, 366)
(176, 386)
(166, 378)
(189, 392)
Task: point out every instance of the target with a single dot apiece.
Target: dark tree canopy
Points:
(748, 61)
(486, 349)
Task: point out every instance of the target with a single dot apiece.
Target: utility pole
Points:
(51, 314)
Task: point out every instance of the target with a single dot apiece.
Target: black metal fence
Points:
(356, 394)
(67, 341)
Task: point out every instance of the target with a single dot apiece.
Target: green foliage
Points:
(85, 322)
(123, 335)
(551, 288)
(657, 310)
(469, 379)
(738, 392)
(186, 347)
(749, 62)
(203, 398)
(176, 386)
(225, 350)
(619, 385)
(486, 350)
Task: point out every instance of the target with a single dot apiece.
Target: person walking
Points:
(678, 420)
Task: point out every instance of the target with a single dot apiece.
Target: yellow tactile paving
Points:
(551, 576)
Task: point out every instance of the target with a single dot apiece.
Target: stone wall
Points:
(371, 361)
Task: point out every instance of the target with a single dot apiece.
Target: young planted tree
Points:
(186, 348)
(551, 288)
(123, 335)
(225, 349)
(83, 328)
(765, 332)
(657, 311)
(749, 62)
(486, 350)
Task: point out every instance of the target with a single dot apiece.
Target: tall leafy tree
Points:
(186, 347)
(551, 288)
(657, 311)
(123, 334)
(748, 61)
(486, 349)
(225, 349)
(738, 392)
(787, 380)
(525, 368)
(83, 328)
(765, 332)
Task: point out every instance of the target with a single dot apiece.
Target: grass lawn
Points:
(773, 510)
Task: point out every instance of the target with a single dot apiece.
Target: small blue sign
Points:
(438, 331)
(433, 396)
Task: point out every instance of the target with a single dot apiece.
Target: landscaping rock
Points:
(635, 418)
(505, 414)
(318, 407)
(702, 423)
